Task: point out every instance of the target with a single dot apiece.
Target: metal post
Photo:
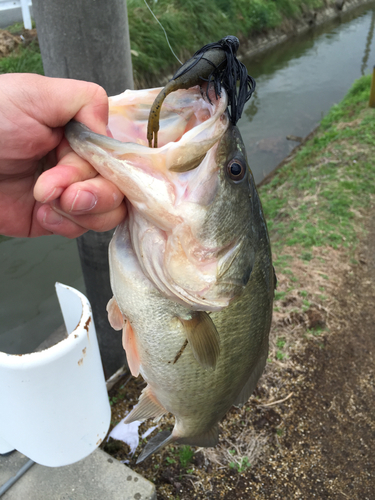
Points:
(89, 40)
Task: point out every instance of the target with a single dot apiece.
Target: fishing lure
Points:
(215, 63)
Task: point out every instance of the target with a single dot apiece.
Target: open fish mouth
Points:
(182, 111)
(189, 126)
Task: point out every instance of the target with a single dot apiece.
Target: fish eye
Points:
(236, 170)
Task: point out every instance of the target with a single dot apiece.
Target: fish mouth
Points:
(154, 179)
(190, 125)
(191, 122)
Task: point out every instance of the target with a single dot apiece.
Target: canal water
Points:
(297, 83)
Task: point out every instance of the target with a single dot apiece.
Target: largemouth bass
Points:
(191, 268)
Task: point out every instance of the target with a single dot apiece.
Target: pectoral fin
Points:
(203, 338)
(115, 316)
(130, 346)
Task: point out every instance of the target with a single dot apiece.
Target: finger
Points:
(55, 101)
(51, 222)
(101, 222)
(53, 182)
(97, 196)
(52, 218)
(84, 101)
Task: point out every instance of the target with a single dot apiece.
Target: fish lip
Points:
(75, 129)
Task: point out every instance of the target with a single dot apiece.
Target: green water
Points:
(299, 81)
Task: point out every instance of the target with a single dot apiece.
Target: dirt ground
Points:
(327, 449)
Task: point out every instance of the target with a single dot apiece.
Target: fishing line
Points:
(162, 27)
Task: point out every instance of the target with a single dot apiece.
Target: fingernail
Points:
(55, 193)
(83, 201)
(52, 217)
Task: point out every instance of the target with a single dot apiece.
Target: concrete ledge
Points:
(97, 477)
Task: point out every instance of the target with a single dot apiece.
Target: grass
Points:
(184, 454)
(315, 206)
(24, 60)
(314, 200)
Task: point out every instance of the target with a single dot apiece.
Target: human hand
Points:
(46, 188)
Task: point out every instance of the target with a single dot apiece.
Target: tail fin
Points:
(155, 444)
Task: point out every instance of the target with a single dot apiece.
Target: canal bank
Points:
(309, 20)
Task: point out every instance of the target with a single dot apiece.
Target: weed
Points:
(240, 466)
(280, 342)
(170, 460)
(307, 256)
(316, 331)
(279, 295)
(288, 272)
(280, 355)
(113, 400)
(185, 454)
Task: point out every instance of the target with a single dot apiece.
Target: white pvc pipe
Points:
(54, 404)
